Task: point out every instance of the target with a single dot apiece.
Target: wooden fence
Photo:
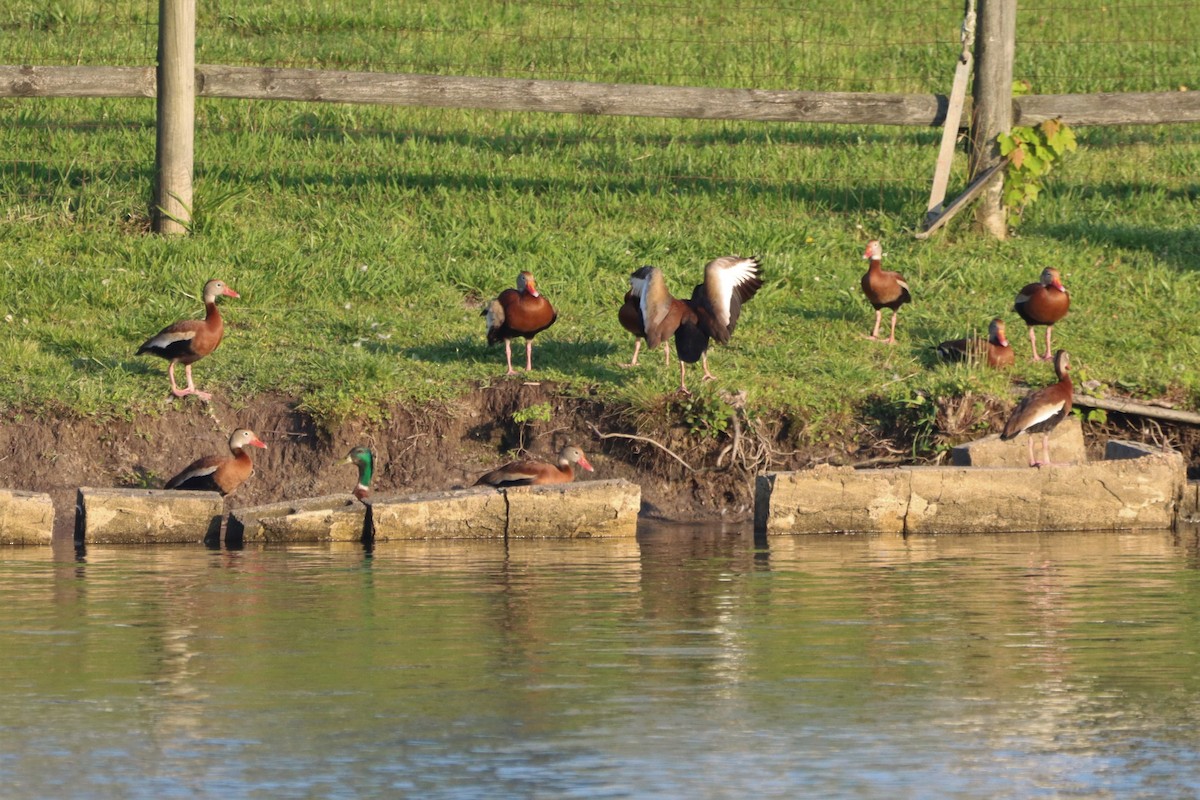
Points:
(178, 81)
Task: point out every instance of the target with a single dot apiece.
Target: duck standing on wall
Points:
(187, 341)
(364, 459)
(630, 315)
(883, 289)
(1042, 410)
(537, 473)
(711, 313)
(220, 473)
(1043, 303)
(519, 312)
(995, 351)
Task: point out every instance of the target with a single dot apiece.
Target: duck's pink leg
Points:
(878, 319)
(637, 348)
(191, 387)
(683, 378)
(1033, 343)
(1049, 353)
(892, 338)
(508, 356)
(708, 376)
(528, 354)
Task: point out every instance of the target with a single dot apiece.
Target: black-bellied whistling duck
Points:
(364, 459)
(537, 473)
(519, 312)
(994, 351)
(883, 289)
(1043, 409)
(220, 473)
(630, 315)
(1043, 303)
(711, 313)
(187, 341)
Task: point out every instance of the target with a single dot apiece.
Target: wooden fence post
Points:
(176, 116)
(992, 112)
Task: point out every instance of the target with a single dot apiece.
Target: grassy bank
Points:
(363, 241)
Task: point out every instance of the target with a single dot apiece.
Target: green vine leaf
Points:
(1033, 152)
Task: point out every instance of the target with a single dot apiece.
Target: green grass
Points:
(363, 240)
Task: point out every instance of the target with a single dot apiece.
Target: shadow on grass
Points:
(539, 141)
(1178, 247)
(850, 195)
(594, 360)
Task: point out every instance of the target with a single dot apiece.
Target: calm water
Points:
(686, 664)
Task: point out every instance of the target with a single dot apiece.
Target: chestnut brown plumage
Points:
(995, 351)
(711, 313)
(1043, 303)
(519, 312)
(220, 473)
(537, 473)
(187, 341)
(883, 289)
(1042, 410)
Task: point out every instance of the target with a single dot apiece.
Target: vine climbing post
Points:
(991, 115)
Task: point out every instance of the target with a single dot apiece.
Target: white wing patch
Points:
(495, 315)
(655, 299)
(197, 473)
(168, 338)
(723, 275)
(1045, 414)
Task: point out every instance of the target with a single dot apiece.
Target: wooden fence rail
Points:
(567, 97)
(177, 74)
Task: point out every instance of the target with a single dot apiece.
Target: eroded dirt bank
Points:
(439, 447)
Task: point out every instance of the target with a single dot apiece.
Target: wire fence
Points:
(861, 45)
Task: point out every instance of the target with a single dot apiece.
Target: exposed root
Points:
(645, 439)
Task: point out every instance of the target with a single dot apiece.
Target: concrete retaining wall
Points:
(26, 517)
(143, 516)
(574, 510)
(1120, 494)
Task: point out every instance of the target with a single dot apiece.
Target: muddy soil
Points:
(437, 447)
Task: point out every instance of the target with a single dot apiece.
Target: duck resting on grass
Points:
(537, 473)
(883, 289)
(1043, 303)
(711, 313)
(189, 340)
(519, 312)
(364, 459)
(220, 473)
(630, 315)
(995, 351)
(1042, 410)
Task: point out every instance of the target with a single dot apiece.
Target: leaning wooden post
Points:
(176, 115)
(995, 44)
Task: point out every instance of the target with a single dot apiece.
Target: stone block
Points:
(1066, 445)
(475, 513)
(1126, 494)
(247, 524)
(145, 516)
(829, 499)
(1189, 503)
(574, 510)
(26, 517)
(973, 499)
(1115, 449)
